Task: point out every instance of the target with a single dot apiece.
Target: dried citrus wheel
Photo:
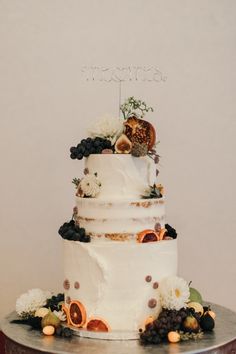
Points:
(66, 312)
(147, 236)
(162, 233)
(77, 314)
(140, 131)
(97, 325)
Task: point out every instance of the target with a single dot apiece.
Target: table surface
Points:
(224, 333)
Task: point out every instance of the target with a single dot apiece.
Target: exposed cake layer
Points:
(121, 217)
(122, 176)
(118, 282)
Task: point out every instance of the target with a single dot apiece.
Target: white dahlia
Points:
(174, 293)
(60, 314)
(89, 186)
(108, 128)
(29, 302)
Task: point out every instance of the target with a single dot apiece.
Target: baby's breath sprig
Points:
(134, 107)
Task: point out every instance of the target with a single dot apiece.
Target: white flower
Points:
(60, 314)
(174, 293)
(31, 301)
(89, 186)
(108, 128)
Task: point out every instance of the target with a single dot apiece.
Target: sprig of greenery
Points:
(152, 192)
(76, 182)
(134, 107)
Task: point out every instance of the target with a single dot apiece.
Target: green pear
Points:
(50, 320)
(195, 296)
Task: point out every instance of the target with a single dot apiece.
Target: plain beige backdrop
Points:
(45, 107)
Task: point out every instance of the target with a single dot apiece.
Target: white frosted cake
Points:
(120, 255)
(117, 247)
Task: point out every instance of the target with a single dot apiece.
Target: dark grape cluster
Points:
(89, 146)
(64, 332)
(171, 232)
(168, 320)
(54, 302)
(71, 231)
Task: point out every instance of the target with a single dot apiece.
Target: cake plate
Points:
(21, 340)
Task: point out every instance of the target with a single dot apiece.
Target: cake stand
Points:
(21, 340)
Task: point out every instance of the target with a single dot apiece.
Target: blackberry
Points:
(171, 232)
(63, 332)
(71, 231)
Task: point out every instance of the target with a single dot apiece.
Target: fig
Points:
(207, 323)
(191, 324)
(140, 131)
(50, 320)
(123, 145)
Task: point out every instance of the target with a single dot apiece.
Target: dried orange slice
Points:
(140, 131)
(97, 325)
(66, 312)
(162, 233)
(77, 314)
(148, 236)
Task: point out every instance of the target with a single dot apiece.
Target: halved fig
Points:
(123, 145)
(148, 236)
(77, 313)
(97, 325)
(140, 131)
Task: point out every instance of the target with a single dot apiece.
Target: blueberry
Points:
(73, 150)
(73, 156)
(86, 153)
(82, 231)
(79, 156)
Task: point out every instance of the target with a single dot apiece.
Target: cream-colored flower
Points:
(60, 314)
(89, 186)
(108, 128)
(31, 301)
(174, 293)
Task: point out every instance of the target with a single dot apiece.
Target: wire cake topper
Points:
(123, 74)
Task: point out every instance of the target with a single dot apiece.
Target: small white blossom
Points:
(174, 293)
(107, 128)
(31, 301)
(60, 314)
(89, 186)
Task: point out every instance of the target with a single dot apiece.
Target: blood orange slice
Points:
(77, 314)
(66, 312)
(148, 236)
(140, 131)
(97, 325)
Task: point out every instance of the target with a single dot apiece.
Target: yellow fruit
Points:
(197, 307)
(48, 330)
(43, 311)
(173, 337)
